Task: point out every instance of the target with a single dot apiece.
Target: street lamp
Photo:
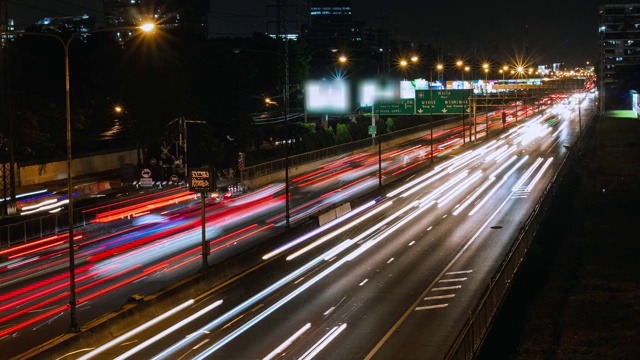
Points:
(65, 44)
(486, 104)
(503, 71)
(439, 67)
(466, 69)
(459, 64)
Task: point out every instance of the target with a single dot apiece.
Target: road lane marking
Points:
(329, 311)
(364, 282)
(430, 227)
(200, 344)
(447, 288)
(287, 342)
(324, 341)
(459, 272)
(440, 306)
(411, 243)
(440, 297)
(452, 280)
(390, 260)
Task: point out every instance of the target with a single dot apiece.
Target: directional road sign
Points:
(442, 101)
(395, 107)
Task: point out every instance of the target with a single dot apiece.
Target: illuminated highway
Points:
(396, 277)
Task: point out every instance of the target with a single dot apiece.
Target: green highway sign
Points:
(442, 101)
(372, 129)
(395, 107)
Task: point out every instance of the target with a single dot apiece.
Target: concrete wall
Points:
(36, 174)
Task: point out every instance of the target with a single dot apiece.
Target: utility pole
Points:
(8, 190)
(282, 34)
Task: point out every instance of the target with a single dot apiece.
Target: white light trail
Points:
(475, 195)
(495, 173)
(49, 206)
(495, 188)
(290, 296)
(462, 186)
(315, 349)
(455, 159)
(560, 128)
(318, 230)
(445, 186)
(526, 175)
(137, 330)
(338, 231)
(417, 181)
(423, 184)
(168, 331)
(244, 305)
(497, 153)
(287, 342)
(535, 179)
(457, 166)
(506, 153)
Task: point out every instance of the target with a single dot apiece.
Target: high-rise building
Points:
(191, 13)
(619, 35)
(122, 12)
(331, 24)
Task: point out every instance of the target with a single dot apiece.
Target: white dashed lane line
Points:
(440, 297)
(452, 280)
(439, 306)
(447, 288)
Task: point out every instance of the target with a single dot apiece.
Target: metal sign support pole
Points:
(205, 245)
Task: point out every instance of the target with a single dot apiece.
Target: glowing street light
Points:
(148, 27)
(65, 44)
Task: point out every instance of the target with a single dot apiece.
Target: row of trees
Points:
(153, 79)
(169, 74)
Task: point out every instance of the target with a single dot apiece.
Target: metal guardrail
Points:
(58, 223)
(252, 172)
(473, 333)
(53, 224)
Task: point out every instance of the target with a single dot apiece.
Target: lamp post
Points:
(503, 71)
(466, 69)
(485, 68)
(344, 60)
(439, 68)
(65, 45)
(459, 64)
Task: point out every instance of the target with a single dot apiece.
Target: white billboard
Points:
(327, 97)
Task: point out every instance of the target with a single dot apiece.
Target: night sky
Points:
(558, 30)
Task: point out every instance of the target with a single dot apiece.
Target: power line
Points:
(238, 15)
(80, 6)
(36, 8)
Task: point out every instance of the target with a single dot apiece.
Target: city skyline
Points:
(564, 32)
